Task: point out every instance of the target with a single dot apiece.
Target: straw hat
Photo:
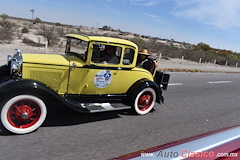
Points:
(144, 52)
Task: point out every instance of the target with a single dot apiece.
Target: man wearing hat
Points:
(144, 61)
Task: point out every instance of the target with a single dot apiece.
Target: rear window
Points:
(128, 56)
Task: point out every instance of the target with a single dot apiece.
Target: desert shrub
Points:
(50, 33)
(221, 60)
(139, 41)
(190, 52)
(6, 29)
(225, 52)
(58, 24)
(37, 20)
(108, 28)
(32, 43)
(60, 31)
(71, 31)
(19, 34)
(195, 55)
(157, 47)
(79, 29)
(203, 46)
(231, 60)
(25, 30)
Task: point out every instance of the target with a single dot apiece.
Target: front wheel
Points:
(23, 114)
(144, 101)
(1, 76)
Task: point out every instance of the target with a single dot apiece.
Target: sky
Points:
(214, 22)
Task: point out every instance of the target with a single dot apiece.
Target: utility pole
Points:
(32, 10)
(97, 25)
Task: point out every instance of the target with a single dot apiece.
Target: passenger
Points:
(145, 61)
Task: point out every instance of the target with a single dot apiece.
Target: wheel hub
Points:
(24, 112)
(145, 101)
(25, 116)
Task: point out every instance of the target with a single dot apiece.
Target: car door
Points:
(109, 78)
(103, 69)
(99, 77)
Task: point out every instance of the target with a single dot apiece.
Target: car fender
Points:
(26, 86)
(1, 76)
(4, 72)
(141, 84)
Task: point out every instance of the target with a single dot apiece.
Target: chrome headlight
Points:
(9, 59)
(18, 56)
(15, 63)
(15, 67)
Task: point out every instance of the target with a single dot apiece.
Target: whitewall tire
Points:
(23, 114)
(144, 101)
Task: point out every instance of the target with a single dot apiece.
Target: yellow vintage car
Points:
(95, 74)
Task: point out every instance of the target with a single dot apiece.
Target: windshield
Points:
(77, 47)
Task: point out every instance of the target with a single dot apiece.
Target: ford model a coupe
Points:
(95, 74)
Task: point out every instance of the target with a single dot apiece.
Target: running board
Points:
(102, 107)
(96, 107)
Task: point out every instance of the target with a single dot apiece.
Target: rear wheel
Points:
(23, 114)
(144, 101)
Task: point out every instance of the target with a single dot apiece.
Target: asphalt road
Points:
(195, 103)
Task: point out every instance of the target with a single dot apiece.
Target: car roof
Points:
(102, 39)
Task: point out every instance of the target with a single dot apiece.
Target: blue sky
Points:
(215, 22)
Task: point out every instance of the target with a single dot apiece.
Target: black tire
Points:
(1, 76)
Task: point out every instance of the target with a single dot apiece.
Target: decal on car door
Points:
(102, 79)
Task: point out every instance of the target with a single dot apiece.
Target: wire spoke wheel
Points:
(23, 114)
(145, 101)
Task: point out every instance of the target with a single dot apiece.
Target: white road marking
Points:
(216, 82)
(175, 84)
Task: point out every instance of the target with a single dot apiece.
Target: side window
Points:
(128, 56)
(106, 54)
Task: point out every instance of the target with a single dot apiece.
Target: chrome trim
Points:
(18, 56)
(15, 63)
(14, 67)
(9, 58)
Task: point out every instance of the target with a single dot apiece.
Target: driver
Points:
(109, 55)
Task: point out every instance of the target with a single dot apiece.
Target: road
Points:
(195, 103)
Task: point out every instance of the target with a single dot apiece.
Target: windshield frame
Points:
(73, 48)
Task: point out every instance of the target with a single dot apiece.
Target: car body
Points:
(88, 78)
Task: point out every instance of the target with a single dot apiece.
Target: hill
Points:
(33, 35)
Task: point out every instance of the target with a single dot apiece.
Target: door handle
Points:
(73, 66)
